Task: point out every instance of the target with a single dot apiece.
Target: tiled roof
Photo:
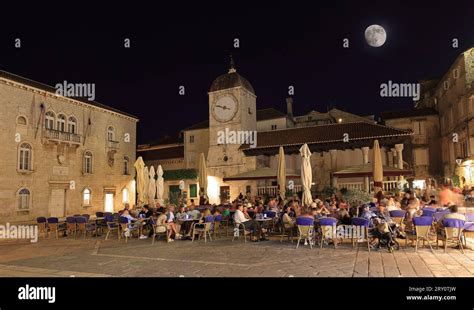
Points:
(48, 88)
(269, 113)
(407, 113)
(162, 153)
(321, 134)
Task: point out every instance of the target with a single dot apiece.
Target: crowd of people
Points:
(246, 210)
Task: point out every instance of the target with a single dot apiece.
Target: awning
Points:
(365, 170)
(260, 174)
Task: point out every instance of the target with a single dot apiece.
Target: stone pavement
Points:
(95, 257)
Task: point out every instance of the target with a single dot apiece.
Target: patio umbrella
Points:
(377, 168)
(152, 187)
(281, 174)
(202, 177)
(160, 186)
(306, 174)
(146, 175)
(140, 169)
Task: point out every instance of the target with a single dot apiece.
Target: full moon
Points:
(375, 35)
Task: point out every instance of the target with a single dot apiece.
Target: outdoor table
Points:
(264, 222)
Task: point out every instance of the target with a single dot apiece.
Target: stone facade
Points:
(51, 178)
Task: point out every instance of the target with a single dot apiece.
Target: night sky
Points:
(281, 44)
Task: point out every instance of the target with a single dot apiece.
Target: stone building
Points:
(442, 146)
(61, 156)
(240, 167)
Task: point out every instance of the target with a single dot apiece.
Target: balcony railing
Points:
(388, 186)
(62, 136)
(112, 144)
(273, 190)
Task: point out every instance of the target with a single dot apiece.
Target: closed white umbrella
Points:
(140, 187)
(281, 174)
(377, 168)
(202, 177)
(306, 174)
(146, 174)
(152, 187)
(160, 185)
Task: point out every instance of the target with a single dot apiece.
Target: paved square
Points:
(95, 257)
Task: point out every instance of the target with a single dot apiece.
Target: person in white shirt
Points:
(249, 224)
(170, 223)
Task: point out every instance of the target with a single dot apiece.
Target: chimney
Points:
(289, 106)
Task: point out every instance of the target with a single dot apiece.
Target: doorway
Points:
(109, 202)
(57, 204)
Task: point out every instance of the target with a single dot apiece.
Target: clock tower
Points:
(232, 116)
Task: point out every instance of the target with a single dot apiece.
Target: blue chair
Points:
(112, 225)
(423, 225)
(54, 226)
(84, 226)
(328, 230)
(100, 214)
(453, 231)
(398, 216)
(124, 227)
(71, 227)
(428, 212)
(305, 227)
(439, 215)
(361, 225)
(87, 216)
(468, 231)
(217, 224)
(203, 228)
(42, 228)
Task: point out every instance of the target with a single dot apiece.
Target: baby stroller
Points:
(386, 233)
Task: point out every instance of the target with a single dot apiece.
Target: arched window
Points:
(61, 123)
(24, 157)
(72, 124)
(86, 197)
(21, 120)
(49, 120)
(87, 162)
(126, 165)
(24, 199)
(110, 133)
(125, 196)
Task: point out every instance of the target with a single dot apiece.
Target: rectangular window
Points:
(248, 189)
(446, 85)
(191, 139)
(193, 190)
(419, 128)
(274, 127)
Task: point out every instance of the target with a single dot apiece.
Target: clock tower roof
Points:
(230, 80)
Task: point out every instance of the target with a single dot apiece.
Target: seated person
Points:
(454, 214)
(249, 224)
(287, 220)
(194, 213)
(146, 213)
(133, 223)
(173, 227)
(344, 217)
(321, 210)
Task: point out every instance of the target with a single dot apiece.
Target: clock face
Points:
(224, 109)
